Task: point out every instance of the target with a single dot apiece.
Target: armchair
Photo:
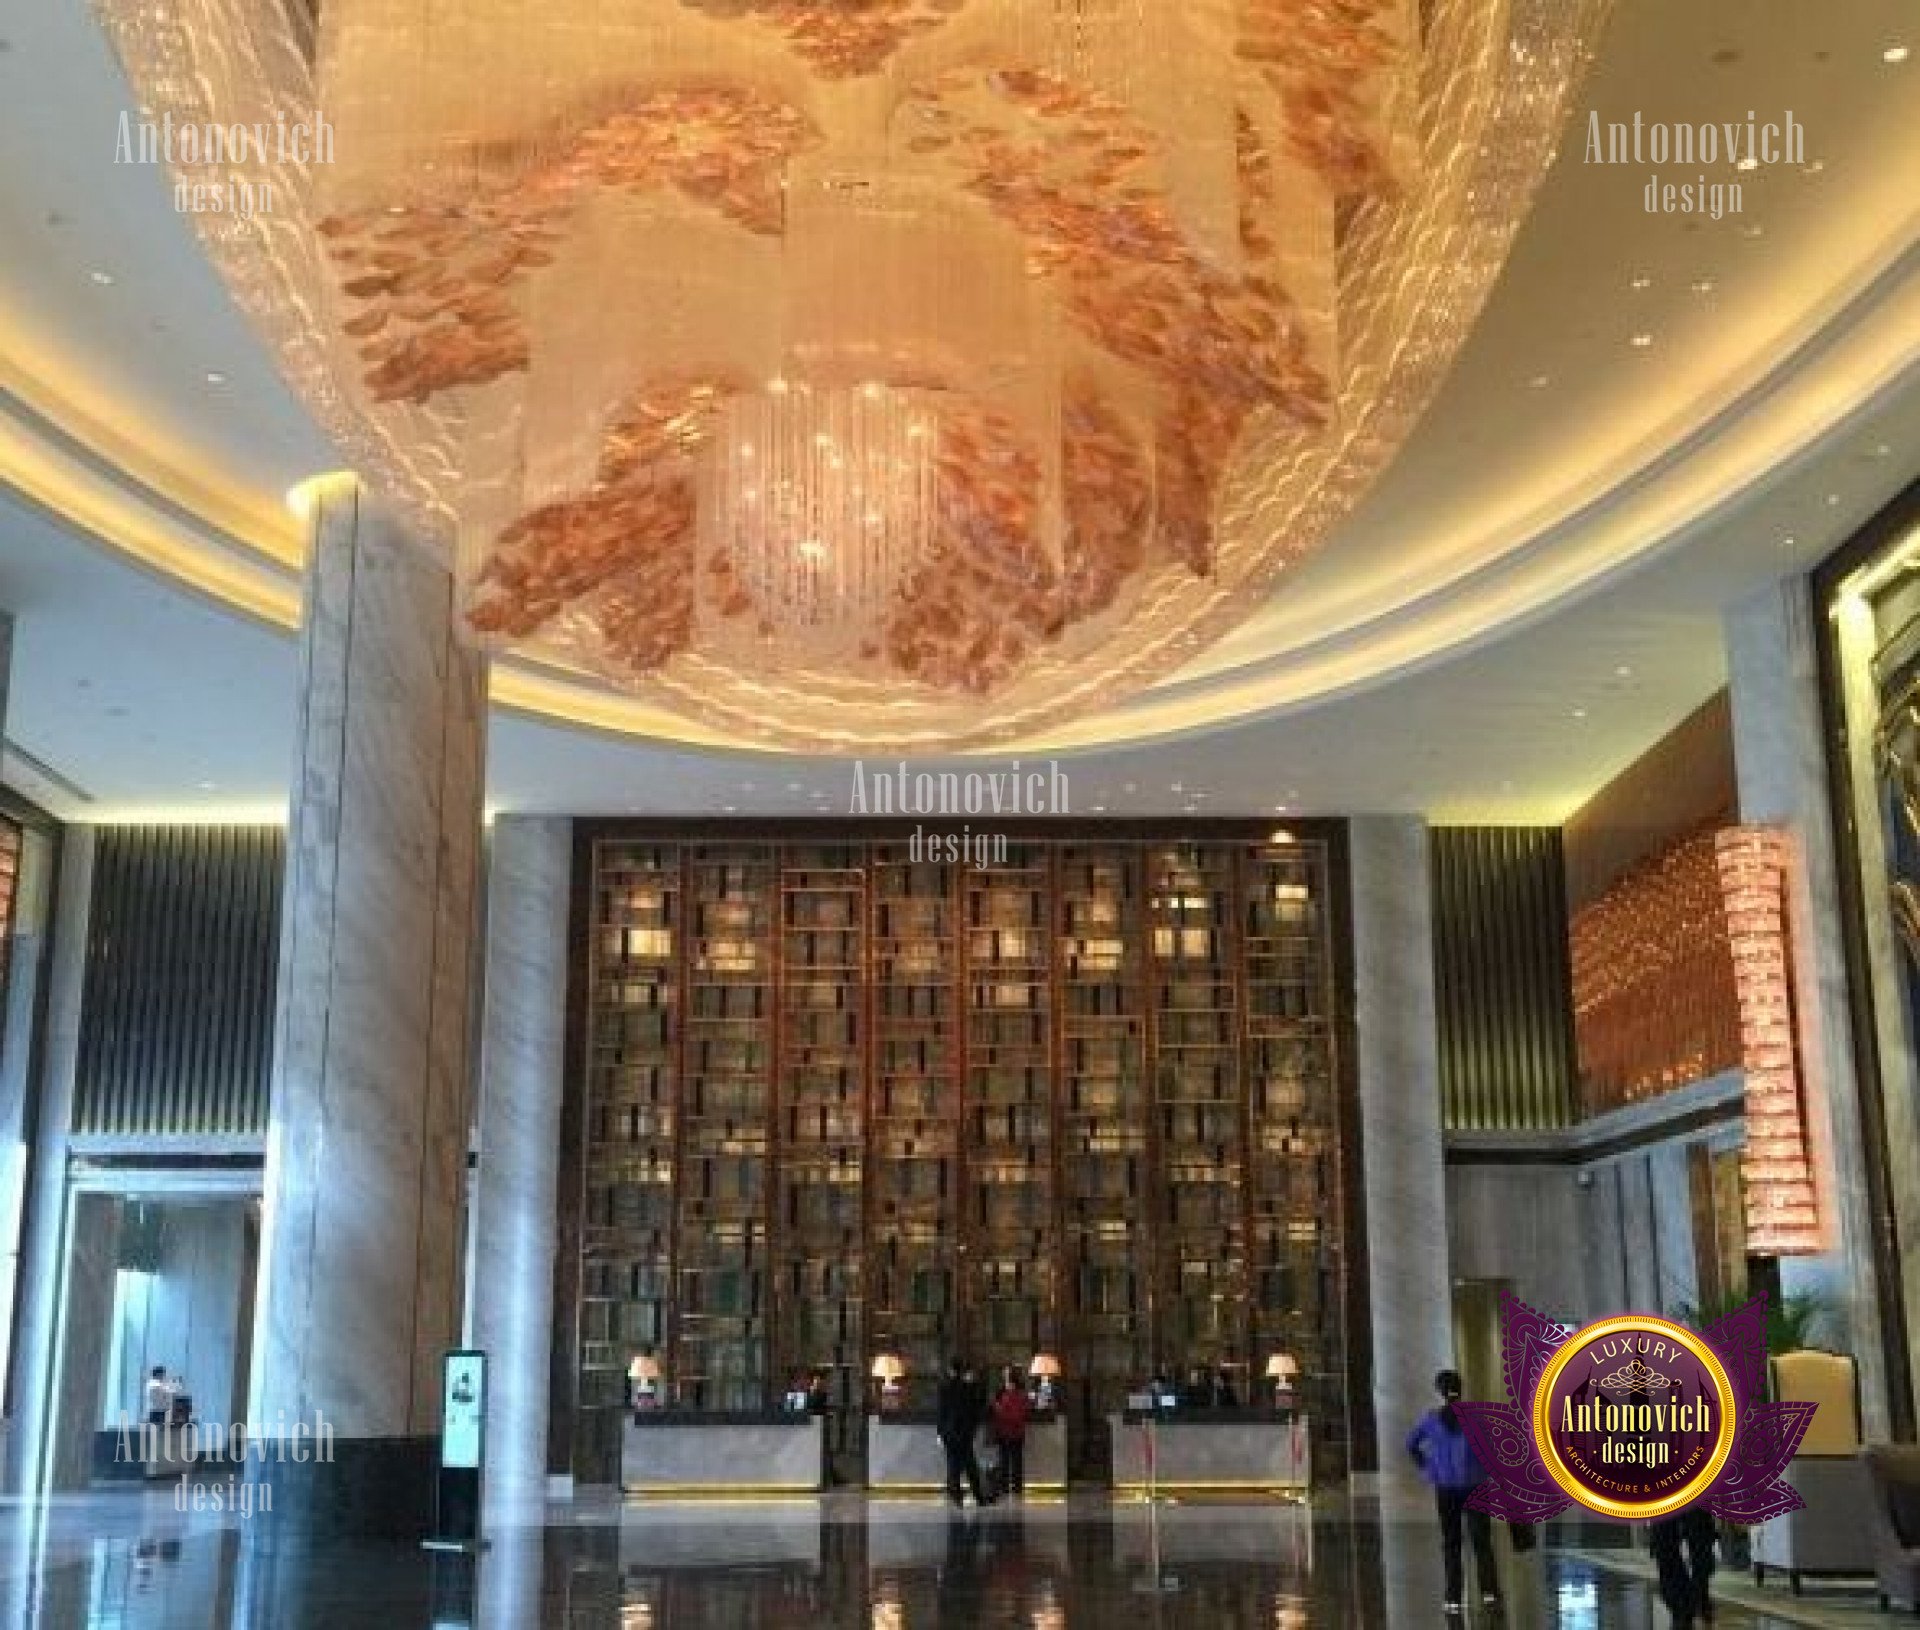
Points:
(1829, 1536)
(1893, 1471)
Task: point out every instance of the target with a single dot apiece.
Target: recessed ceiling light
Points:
(1539, 382)
(1623, 672)
(104, 279)
(1894, 53)
(1833, 500)
(1641, 341)
(1579, 713)
(727, 809)
(1880, 450)
(1177, 787)
(1753, 229)
(1703, 285)
(794, 786)
(1099, 809)
(215, 377)
(1131, 786)
(1813, 166)
(1788, 541)
(1279, 809)
(208, 786)
(1643, 282)
(1747, 163)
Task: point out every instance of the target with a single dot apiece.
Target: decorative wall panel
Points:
(182, 957)
(1783, 1217)
(1501, 978)
(842, 1101)
(1653, 980)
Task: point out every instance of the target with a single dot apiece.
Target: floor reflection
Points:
(838, 1562)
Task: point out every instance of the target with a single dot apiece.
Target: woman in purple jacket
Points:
(1440, 1449)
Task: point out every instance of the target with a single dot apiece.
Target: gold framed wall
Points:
(832, 1099)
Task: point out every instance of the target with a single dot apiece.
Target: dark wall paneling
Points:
(1684, 782)
(176, 1033)
(1501, 979)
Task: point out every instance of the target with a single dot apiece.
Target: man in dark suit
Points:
(962, 1406)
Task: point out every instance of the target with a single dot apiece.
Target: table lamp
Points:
(1283, 1369)
(890, 1370)
(1044, 1371)
(644, 1375)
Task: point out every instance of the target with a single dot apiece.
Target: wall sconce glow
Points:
(303, 497)
(1783, 1215)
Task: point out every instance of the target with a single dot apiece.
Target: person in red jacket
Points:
(1007, 1420)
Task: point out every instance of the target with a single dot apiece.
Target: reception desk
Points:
(693, 1452)
(904, 1455)
(1211, 1449)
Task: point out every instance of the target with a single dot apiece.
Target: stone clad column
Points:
(522, 1082)
(1409, 1286)
(1780, 758)
(360, 1273)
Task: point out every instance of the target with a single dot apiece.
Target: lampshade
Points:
(888, 1368)
(1282, 1367)
(1045, 1367)
(645, 1367)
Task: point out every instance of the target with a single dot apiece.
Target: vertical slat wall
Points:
(176, 1034)
(1501, 978)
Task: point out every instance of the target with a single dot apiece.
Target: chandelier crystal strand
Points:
(826, 501)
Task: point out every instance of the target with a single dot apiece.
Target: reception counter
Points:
(904, 1455)
(1211, 1449)
(693, 1452)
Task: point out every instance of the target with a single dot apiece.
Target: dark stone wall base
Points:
(372, 1489)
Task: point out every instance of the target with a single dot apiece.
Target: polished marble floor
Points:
(133, 1562)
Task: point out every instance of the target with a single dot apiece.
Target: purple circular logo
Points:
(1634, 1416)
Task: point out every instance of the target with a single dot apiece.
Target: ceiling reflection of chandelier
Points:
(905, 372)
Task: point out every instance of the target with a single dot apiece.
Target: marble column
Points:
(44, 1242)
(86, 1326)
(1780, 760)
(522, 1081)
(1409, 1284)
(361, 1234)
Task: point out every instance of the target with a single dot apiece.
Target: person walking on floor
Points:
(1007, 1422)
(961, 1406)
(159, 1396)
(1438, 1444)
(1685, 1578)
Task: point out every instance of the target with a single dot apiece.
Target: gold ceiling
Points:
(885, 374)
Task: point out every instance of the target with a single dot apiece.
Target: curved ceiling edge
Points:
(1589, 539)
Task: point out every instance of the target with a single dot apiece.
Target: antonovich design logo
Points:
(1635, 1417)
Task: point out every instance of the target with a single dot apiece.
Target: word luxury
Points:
(1011, 791)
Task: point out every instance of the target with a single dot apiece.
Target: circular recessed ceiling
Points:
(911, 376)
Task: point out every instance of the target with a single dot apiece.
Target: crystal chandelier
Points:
(906, 373)
(822, 501)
